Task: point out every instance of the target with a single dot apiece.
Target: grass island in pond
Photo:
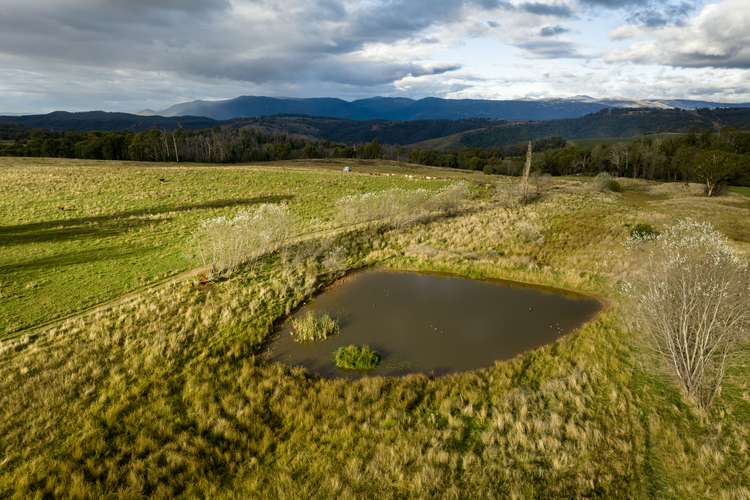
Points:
(429, 323)
(354, 357)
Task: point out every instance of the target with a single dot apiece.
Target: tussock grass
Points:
(310, 327)
(170, 394)
(604, 182)
(643, 232)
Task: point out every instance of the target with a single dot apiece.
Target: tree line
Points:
(710, 157)
(714, 158)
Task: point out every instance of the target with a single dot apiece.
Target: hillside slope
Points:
(105, 121)
(609, 123)
(430, 108)
(433, 134)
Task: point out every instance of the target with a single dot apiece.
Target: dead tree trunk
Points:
(176, 154)
(526, 173)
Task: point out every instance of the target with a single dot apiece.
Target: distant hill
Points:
(359, 131)
(610, 123)
(431, 108)
(105, 121)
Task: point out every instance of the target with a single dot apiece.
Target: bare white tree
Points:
(176, 154)
(692, 303)
(225, 243)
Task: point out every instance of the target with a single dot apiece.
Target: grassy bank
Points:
(171, 394)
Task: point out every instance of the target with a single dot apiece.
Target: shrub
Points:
(400, 206)
(542, 182)
(604, 182)
(310, 328)
(448, 199)
(354, 357)
(529, 232)
(643, 232)
(224, 243)
(508, 196)
(391, 204)
(691, 302)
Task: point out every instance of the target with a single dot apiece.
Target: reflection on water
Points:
(430, 323)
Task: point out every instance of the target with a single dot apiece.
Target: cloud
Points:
(128, 55)
(547, 9)
(547, 31)
(551, 49)
(718, 37)
(253, 41)
(660, 15)
(613, 4)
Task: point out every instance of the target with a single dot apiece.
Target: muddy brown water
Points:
(431, 323)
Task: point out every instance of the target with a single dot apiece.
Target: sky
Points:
(129, 55)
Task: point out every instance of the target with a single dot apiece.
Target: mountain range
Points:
(609, 123)
(430, 108)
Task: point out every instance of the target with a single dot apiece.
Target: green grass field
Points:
(76, 233)
(170, 393)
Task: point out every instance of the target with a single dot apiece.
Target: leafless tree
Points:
(691, 302)
(225, 243)
(176, 154)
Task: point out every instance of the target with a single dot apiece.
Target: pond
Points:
(431, 323)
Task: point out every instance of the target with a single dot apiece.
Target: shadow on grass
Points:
(111, 224)
(68, 259)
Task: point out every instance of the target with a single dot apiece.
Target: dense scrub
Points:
(170, 394)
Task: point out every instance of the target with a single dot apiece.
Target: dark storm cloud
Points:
(314, 39)
(548, 31)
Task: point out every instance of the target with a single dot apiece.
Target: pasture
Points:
(171, 391)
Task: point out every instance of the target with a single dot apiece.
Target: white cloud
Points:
(718, 36)
(112, 54)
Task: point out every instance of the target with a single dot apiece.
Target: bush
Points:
(529, 232)
(224, 243)
(691, 302)
(542, 182)
(643, 232)
(449, 199)
(354, 357)
(310, 328)
(508, 195)
(604, 182)
(400, 206)
(392, 204)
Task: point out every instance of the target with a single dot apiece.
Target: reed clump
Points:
(312, 328)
